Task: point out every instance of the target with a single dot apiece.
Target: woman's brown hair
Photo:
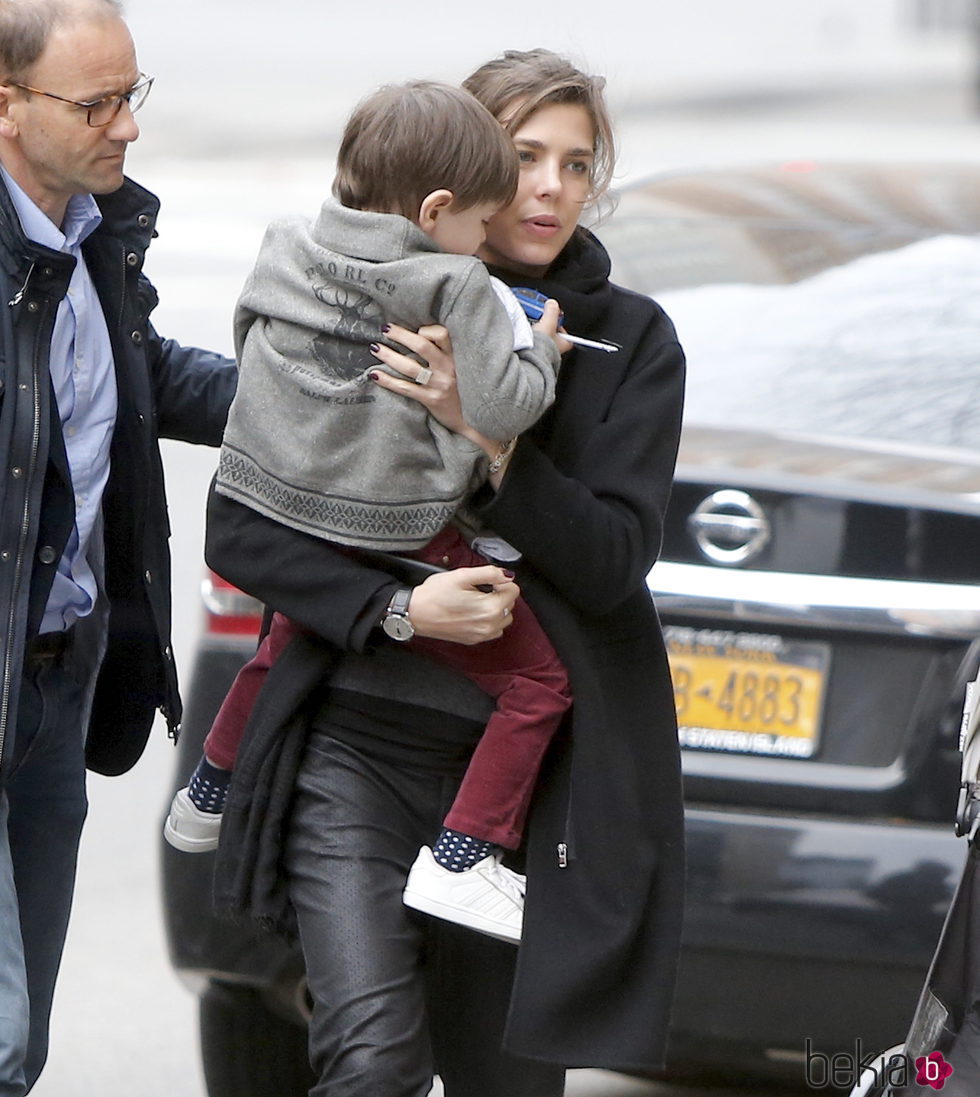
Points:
(516, 84)
(406, 141)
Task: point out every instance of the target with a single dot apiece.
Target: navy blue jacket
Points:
(164, 390)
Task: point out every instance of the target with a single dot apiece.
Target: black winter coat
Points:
(584, 500)
(164, 390)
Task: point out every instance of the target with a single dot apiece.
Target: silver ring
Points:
(424, 376)
(506, 611)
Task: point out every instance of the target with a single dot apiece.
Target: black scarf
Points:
(578, 280)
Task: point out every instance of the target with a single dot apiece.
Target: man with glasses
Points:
(86, 388)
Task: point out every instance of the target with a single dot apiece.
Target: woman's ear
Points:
(432, 205)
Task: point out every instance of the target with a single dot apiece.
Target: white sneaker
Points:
(487, 897)
(190, 829)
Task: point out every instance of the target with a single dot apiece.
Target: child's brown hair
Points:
(406, 141)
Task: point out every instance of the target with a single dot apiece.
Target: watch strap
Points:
(398, 605)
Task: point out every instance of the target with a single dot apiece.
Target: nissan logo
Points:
(730, 527)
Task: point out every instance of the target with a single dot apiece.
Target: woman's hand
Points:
(451, 605)
(432, 385)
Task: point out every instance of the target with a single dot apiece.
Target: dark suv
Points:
(820, 588)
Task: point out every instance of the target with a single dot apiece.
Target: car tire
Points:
(248, 1050)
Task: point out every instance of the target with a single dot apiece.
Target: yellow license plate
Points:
(747, 693)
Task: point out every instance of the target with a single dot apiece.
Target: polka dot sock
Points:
(208, 787)
(458, 852)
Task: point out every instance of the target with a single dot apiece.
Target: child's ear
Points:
(432, 205)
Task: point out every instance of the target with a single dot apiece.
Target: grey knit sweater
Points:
(314, 443)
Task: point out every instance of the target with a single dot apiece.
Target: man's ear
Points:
(432, 205)
(8, 127)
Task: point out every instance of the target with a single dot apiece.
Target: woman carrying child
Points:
(314, 443)
(581, 496)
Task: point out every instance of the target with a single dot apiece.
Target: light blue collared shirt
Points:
(84, 380)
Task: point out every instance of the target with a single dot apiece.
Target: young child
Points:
(312, 442)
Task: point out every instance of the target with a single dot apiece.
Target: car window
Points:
(886, 347)
(838, 299)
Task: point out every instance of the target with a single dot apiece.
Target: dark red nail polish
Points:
(375, 348)
(510, 574)
(373, 376)
(385, 327)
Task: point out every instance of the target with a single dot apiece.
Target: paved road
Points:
(124, 1026)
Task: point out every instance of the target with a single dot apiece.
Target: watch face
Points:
(398, 627)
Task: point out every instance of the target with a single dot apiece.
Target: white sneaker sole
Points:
(468, 918)
(189, 829)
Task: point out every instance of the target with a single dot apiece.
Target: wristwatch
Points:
(395, 621)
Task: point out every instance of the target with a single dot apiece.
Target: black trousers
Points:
(397, 996)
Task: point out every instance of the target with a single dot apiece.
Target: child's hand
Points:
(548, 325)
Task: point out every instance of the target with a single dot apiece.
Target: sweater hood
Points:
(578, 280)
(365, 234)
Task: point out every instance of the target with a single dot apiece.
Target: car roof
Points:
(778, 223)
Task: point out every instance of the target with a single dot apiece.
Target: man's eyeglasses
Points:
(100, 112)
